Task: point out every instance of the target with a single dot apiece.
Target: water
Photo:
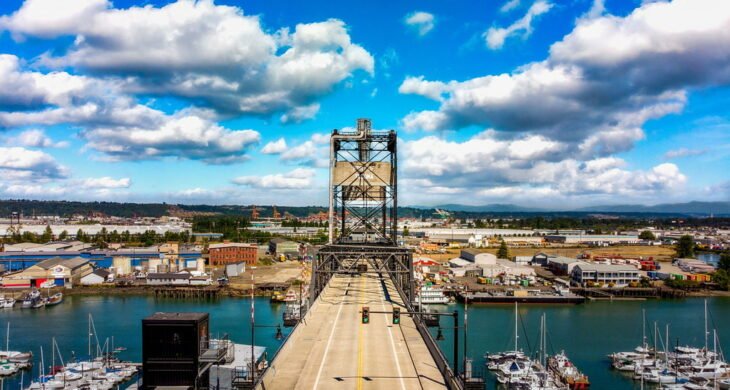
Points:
(587, 332)
(121, 317)
(709, 258)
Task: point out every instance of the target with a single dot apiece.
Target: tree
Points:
(685, 247)
(503, 252)
(647, 235)
(722, 279)
(63, 235)
(47, 234)
(406, 232)
(724, 262)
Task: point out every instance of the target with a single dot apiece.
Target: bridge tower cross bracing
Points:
(363, 210)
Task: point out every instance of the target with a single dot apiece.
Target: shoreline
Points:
(230, 292)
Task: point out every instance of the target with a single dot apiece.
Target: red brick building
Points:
(232, 252)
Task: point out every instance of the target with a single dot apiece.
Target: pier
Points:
(187, 292)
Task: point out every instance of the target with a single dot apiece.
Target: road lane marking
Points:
(329, 341)
(392, 342)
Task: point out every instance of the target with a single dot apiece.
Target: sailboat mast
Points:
(516, 327)
(643, 327)
(707, 333)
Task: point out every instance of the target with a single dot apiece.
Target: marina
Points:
(587, 333)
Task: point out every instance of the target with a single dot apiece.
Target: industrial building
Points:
(560, 265)
(169, 279)
(99, 276)
(232, 252)
(598, 240)
(600, 274)
(279, 246)
(62, 272)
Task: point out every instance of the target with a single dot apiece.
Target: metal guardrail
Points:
(450, 379)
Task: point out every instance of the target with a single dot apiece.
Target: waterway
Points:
(587, 332)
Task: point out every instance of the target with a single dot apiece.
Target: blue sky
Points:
(532, 102)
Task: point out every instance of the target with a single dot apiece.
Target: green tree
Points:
(647, 235)
(63, 235)
(503, 252)
(47, 234)
(724, 263)
(406, 232)
(685, 247)
(722, 279)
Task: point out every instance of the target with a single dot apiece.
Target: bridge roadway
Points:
(333, 349)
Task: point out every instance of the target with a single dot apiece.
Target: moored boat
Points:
(564, 370)
(54, 299)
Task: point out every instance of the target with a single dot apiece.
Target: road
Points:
(334, 350)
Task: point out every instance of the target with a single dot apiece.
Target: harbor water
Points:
(587, 332)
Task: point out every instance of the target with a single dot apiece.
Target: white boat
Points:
(724, 384)
(54, 299)
(431, 295)
(8, 368)
(8, 303)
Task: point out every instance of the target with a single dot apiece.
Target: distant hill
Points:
(693, 208)
(487, 208)
(66, 209)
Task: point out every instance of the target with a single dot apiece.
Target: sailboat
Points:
(22, 359)
(495, 361)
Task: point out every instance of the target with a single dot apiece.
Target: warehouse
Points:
(59, 271)
(232, 252)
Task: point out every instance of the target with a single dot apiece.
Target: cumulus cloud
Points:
(683, 152)
(106, 182)
(208, 53)
(421, 22)
(496, 36)
(600, 83)
(182, 135)
(17, 163)
(531, 165)
(275, 147)
(296, 179)
(35, 138)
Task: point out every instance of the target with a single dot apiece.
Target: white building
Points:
(99, 276)
(169, 279)
(619, 275)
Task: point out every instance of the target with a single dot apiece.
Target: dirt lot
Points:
(285, 272)
(660, 253)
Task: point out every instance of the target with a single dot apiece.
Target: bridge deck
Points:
(332, 349)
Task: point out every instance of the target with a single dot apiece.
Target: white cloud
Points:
(275, 147)
(599, 85)
(597, 9)
(106, 182)
(418, 86)
(509, 5)
(300, 114)
(527, 167)
(683, 152)
(35, 138)
(299, 178)
(183, 135)
(422, 22)
(496, 36)
(18, 163)
(208, 53)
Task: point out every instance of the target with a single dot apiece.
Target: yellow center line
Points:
(359, 340)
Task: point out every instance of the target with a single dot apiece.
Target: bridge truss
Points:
(363, 212)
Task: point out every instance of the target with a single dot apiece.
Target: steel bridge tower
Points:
(363, 210)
